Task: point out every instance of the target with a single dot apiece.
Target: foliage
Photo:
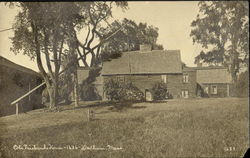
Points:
(44, 28)
(221, 28)
(242, 85)
(159, 91)
(66, 79)
(121, 91)
(111, 89)
(51, 28)
(129, 38)
(88, 92)
(183, 65)
(131, 93)
(87, 89)
(97, 13)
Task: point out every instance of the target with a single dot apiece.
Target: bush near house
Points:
(117, 91)
(131, 92)
(159, 91)
(111, 89)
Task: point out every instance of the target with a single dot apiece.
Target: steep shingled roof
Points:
(10, 64)
(213, 75)
(150, 62)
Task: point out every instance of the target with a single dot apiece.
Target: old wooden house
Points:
(145, 67)
(15, 81)
(214, 81)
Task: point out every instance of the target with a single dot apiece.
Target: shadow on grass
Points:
(120, 106)
(158, 101)
(91, 105)
(114, 106)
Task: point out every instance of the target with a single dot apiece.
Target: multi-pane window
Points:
(164, 78)
(214, 89)
(184, 93)
(185, 78)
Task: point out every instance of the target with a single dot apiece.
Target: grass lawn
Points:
(177, 128)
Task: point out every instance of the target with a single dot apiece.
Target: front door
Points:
(148, 95)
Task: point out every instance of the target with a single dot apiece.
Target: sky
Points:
(172, 18)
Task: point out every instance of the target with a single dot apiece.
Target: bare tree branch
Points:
(86, 39)
(60, 52)
(83, 58)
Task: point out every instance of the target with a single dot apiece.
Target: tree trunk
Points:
(52, 102)
(76, 92)
(53, 94)
(56, 95)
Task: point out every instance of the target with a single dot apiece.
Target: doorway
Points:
(148, 95)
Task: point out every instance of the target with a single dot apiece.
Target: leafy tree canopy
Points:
(50, 28)
(221, 27)
(130, 38)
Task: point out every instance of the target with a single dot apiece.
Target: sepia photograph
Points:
(124, 79)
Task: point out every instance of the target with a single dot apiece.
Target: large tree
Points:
(39, 29)
(221, 27)
(89, 44)
(51, 28)
(97, 19)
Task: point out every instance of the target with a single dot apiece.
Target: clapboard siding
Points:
(143, 82)
(191, 85)
(13, 84)
(174, 84)
(222, 89)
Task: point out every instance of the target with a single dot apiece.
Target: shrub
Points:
(111, 89)
(159, 91)
(131, 92)
(122, 91)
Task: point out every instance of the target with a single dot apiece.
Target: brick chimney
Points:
(145, 47)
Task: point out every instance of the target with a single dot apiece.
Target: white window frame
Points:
(212, 89)
(185, 78)
(206, 89)
(185, 93)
